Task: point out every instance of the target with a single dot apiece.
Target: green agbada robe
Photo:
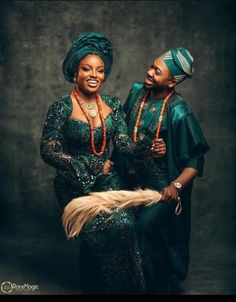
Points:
(164, 235)
(109, 259)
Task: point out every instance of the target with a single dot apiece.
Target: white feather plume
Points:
(83, 209)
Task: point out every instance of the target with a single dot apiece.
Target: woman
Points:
(75, 140)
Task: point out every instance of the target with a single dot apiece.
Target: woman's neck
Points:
(85, 96)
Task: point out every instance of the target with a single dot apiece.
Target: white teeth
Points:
(92, 82)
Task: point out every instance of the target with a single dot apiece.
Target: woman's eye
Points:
(85, 68)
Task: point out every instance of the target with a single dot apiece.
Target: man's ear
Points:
(172, 83)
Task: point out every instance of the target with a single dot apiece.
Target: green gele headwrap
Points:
(88, 43)
(180, 63)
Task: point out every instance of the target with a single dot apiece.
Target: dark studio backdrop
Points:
(34, 39)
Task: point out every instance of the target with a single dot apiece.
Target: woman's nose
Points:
(94, 73)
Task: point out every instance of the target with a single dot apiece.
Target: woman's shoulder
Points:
(63, 104)
(64, 101)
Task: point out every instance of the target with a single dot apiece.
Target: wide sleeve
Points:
(121, 140)
(81, 171)
(52, 140)
(189, 141)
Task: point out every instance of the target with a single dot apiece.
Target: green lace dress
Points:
(109, 259)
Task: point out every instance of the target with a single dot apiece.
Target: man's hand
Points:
(170, 193)
(158, 148)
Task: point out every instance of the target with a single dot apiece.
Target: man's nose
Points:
(150, 72)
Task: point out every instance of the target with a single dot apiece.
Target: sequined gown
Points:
(109, 259)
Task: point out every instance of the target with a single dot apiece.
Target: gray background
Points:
(34, 37)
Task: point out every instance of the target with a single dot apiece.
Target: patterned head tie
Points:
(84, 44)
(179, 62)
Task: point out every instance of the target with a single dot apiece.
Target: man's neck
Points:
(160, 94)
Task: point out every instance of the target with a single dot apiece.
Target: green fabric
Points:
(109, 261)
(65, 145)
(185, 140)
(136, 92)
(88, 43)
(180, 63)
(186, 146)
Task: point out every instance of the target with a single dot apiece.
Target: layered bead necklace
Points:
(91, 127)
(143, 103)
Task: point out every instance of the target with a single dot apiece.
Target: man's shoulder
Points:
(177, 100)
(133, 96)
(138, 85)
(178, 105)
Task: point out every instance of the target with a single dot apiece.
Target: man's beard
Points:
(160, 89)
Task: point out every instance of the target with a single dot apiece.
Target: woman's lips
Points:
(92, 83)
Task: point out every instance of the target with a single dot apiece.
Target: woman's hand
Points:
(158, 148)
(107, 166)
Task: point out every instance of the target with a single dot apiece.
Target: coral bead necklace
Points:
(91, 127)
(143, 103)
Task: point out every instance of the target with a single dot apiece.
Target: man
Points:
(155, 109)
